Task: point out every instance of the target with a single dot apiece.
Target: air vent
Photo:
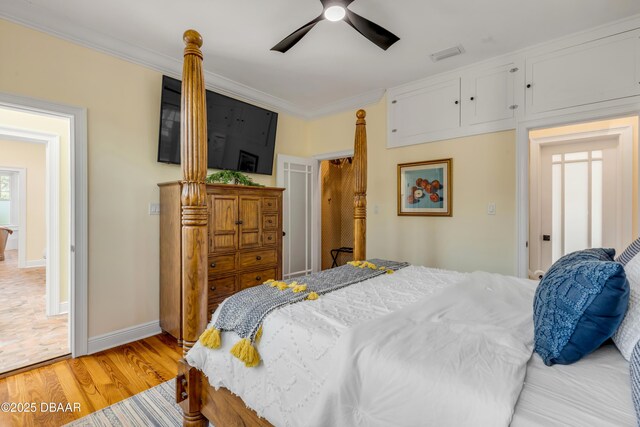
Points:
(447, 53)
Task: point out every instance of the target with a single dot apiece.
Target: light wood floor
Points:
(27, 335)
(93, 381)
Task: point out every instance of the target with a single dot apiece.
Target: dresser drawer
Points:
(258, 258)
(269, 204)
(221, 288)
(269, 238)
(270, 221)
(222, 263)
(248, 280)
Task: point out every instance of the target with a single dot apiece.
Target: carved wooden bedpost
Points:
(360, 196)
(194, 192)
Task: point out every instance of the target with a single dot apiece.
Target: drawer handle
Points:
(258, 258)
(213, 265)
(258, 278)
(212, 289)
(270, 238)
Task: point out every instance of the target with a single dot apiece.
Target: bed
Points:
(312, 370)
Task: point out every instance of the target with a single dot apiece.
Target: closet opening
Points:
(337, 184)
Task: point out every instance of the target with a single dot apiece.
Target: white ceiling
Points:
(333, 66)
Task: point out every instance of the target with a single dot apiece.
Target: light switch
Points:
(491, 208)
(154, 208)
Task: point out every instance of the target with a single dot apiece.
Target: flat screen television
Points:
(240, 136)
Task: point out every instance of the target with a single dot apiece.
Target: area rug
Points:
(155, 407)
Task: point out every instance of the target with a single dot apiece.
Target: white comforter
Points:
(299, 343)
(455, 359)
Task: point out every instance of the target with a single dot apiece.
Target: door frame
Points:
(52, 214)
(522, 170)
(78, 271)
(624, 137)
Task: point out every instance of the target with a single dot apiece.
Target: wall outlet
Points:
(154, 208)
(491, 208)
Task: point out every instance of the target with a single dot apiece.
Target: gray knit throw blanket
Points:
(244, 311)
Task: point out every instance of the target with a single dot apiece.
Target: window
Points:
(8, 198)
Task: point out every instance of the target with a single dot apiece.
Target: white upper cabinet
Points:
(488, 95)
(600, 70)
(424, 114)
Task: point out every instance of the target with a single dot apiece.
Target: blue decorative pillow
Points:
(628, 254)
(634, 367)
(578, 305)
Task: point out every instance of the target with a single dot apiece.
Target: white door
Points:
(580, 202)
(298, 176)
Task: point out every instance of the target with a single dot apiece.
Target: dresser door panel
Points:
(250, 227)
(223, 216)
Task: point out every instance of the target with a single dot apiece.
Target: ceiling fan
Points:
(336, 10)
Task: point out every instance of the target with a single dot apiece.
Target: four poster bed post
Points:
(198, 400)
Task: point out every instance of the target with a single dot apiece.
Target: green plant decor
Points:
(232, 177)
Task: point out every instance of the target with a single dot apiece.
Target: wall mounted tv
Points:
(240, 136)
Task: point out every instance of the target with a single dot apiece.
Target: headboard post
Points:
(360, 195)
(193, 134)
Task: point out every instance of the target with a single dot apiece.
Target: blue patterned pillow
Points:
(628, 254)
(578, 305)
(634, 367)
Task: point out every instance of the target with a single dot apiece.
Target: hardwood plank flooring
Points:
(92, 382)
(27, 335)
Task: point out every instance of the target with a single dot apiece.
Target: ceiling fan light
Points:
(334, 13)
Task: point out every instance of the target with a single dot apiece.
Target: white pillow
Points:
(628, 333)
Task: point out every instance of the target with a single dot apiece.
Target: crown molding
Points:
(347, 104)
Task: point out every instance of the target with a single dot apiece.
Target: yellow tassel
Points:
(258, 334)
(293, 284)
(268, 282)
(313, 296)
(246, 352)
(210, 338)
(299, 288)
(282, 286)
(389, 271)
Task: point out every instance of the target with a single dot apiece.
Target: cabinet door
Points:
(250, 222)
(423, 114)
(223, 216)
(487, 95)
(601, 70)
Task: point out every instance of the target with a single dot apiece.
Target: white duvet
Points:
(458, 358)
(301, 350)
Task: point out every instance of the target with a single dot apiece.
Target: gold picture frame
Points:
(425, 188)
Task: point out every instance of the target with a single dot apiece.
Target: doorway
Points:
(35, 274)
(581, 189)
(336, 187)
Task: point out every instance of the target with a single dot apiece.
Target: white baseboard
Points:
(123, 336)
(63, 307)
(35, 263)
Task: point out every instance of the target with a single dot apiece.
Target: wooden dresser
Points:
(245, 245)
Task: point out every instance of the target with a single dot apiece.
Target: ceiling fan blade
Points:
(293, 38)
(374, 32)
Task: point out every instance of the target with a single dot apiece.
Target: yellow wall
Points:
(32, 157)
(60, 127)
(602, 125)
(483, 172)
(123, 103)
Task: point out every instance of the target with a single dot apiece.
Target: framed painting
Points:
(425, 188)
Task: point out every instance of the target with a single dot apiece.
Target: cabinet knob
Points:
(457, 102)
(472, 98)
(212, 289)
(213, 265)
(239, 222)
(284, 233)
(270, 238)
(394, 131)
(394, 101)
(258, 258)
(513, 107)
(528, 85)
(258, 278)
